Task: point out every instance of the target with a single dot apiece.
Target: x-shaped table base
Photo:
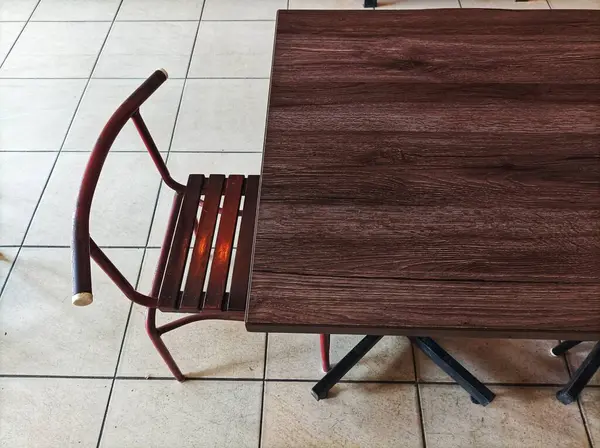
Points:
(480, 394)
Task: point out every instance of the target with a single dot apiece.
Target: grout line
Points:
(579, 403)
(460, 4)
(37, 205)
(418, 390)
(549, 5)
(283, 380)
(149, 233)
(20, 33)
(263, 390)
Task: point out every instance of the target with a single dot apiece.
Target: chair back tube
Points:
(82, 279)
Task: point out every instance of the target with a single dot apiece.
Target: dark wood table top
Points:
(432, 173)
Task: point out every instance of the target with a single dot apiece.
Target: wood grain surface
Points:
(431, 172)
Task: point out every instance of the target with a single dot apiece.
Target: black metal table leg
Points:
(480, 394)
(321, 389)
(370, 4)
(563, 347)
(581, 377)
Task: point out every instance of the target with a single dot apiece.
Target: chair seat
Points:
(205, 285)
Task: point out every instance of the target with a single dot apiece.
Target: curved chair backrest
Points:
(83, 246)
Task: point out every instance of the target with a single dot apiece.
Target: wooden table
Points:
(431, 173)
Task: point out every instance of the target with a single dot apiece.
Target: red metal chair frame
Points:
(166, 294)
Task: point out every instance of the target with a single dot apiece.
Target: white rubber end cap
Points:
(82, 299)
(165, 72)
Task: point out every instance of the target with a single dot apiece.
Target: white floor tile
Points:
(137, 49)
(59, 10)
(326, 4)
(181, 165)
(197, 413)
(22, 178)
(518, 417)
(297, 356)
(122, 207)
(242, 9)
(101, 100)
(505, 4)
(222, 115)
(44, 334)
(16, 9)
(574, 4)
(498, 360)
(55, 50)
(203, 349)
(233, 50)
(51, 412)
(7, 257)
(160, 10)
(355, 415)
(35, 114)
(417, 4)
(9, 31)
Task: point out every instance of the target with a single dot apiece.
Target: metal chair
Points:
(582, 375)
(203, 293)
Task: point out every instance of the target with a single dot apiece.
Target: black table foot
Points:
(370, 4)
(480, 394)
(581, 377)
(563, 347)
(321, 389)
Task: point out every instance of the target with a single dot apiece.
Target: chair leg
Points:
(563, 347)
(160, 345)
(480, 394)
(325, 343)
(370, 4)
(581, 377)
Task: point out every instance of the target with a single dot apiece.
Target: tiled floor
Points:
(77, 376)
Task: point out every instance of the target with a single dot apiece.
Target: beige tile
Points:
(7, 257)
(326, 4)
(233, 50)
(123, 202)
(16, 9)
(51, 412)
(417, 4)
(519, 417)
(242, 9)
(356, 415)
(35, 114)
(574, 4)
(9, 31)
(103, 97)
(576, 356)
(160, 10)
(499, 360)
(137, 49)
(222, 115)
(197, 413)
(505, 4)
(297, 356)
(590, 401)
(43, 334)
(181, 165)
(20, 190)
(60, 10)
(55, 50)
(204, 349)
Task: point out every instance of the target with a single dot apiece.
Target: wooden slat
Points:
(194, 285)
(215, 292)
(243, 257)
(169, 291)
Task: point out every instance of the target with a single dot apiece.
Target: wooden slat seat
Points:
(192, 293)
